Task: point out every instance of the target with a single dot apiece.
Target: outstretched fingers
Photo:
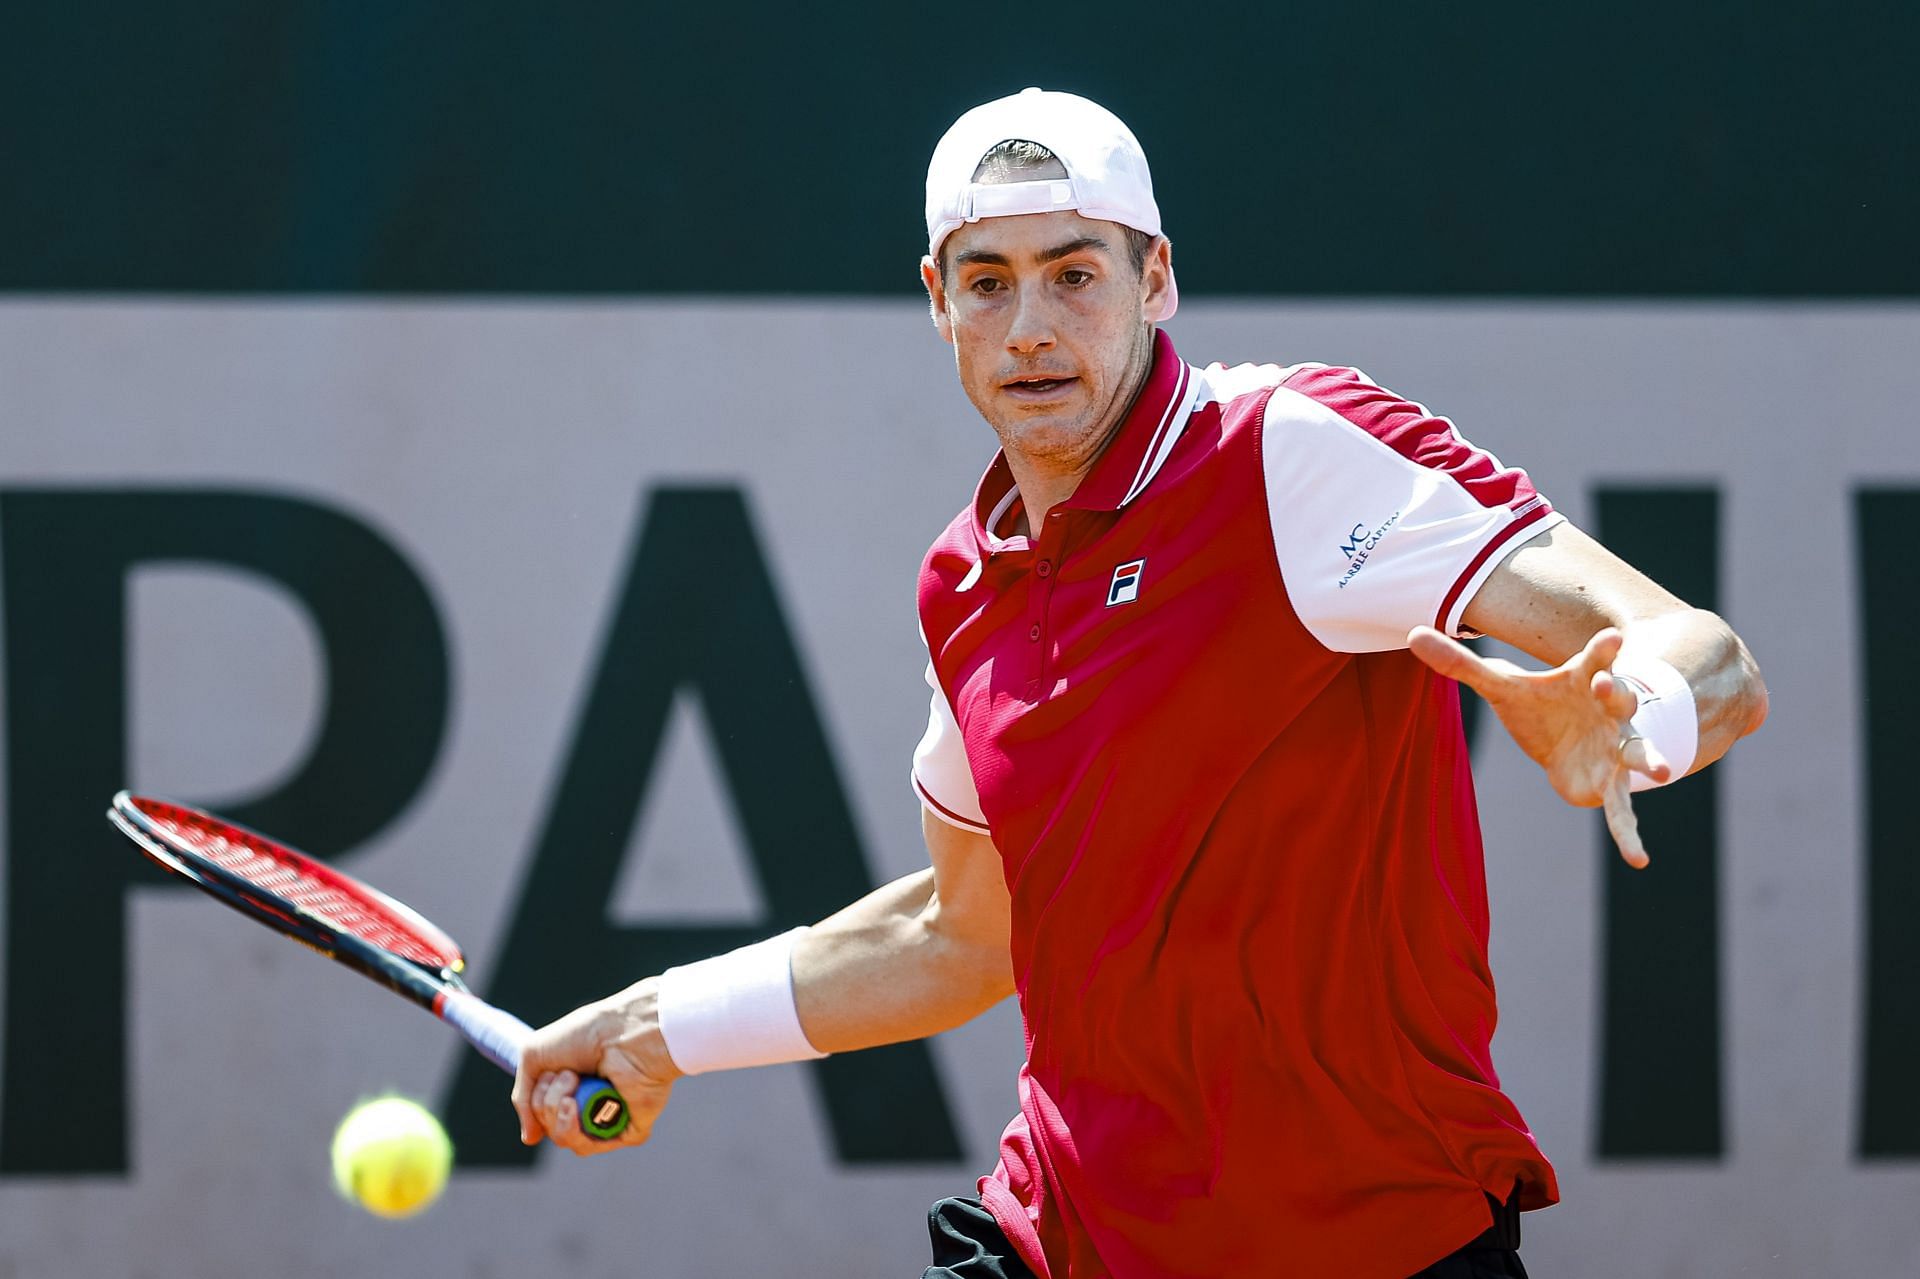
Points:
(1642, 756)
(1600, 650)
(1573, 720)
(1614, 694)
(1622, 823)
(1456, 661)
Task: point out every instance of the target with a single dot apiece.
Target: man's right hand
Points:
(914, 957)
(617, 1038)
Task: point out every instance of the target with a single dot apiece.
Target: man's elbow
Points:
(1759, 702)
(975, 959)
(988, 974)
(1751, 692)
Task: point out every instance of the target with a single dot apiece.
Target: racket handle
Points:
(499, 1036)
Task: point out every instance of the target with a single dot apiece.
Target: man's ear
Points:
(1155, 274)
(936, 298)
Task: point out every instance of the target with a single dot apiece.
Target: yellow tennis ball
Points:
(391, 1156)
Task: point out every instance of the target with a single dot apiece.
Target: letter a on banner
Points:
(698, 612)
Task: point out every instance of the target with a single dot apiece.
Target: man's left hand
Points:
(1571, 720)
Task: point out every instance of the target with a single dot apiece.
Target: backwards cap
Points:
(1107, 176)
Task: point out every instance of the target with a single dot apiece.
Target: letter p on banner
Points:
(63, 627)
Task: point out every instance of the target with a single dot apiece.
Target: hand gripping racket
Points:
(344, 920)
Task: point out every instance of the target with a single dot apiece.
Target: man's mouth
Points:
(1038, 386)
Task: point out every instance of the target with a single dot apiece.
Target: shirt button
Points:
(1034, 633)
(1045, 568)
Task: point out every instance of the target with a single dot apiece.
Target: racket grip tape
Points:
(499, 1035)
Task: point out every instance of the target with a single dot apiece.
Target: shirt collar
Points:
(1125, 467)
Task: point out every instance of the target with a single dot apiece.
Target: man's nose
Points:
(1032, 327)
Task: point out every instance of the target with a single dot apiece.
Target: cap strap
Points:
(1010, 199)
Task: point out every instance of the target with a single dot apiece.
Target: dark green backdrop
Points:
(1337, 148)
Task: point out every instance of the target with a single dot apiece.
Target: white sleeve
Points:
(941, 774)
(1383, 517)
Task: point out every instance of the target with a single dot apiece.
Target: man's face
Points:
(1047, 317)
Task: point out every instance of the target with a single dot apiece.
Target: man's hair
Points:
(1016, 160)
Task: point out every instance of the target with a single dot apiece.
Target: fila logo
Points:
(1125, 587)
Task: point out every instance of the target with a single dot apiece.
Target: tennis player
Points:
(1194, 783)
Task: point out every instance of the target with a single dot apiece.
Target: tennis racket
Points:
(345, 920)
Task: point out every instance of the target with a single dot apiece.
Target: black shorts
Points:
(969, 1244)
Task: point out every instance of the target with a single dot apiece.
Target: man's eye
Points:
(1076, 277)
(986, 284)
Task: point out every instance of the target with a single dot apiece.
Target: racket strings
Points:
(285, 875)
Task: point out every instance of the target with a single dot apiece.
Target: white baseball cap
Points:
(1107, 176)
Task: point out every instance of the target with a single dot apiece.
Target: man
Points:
(1194, 783)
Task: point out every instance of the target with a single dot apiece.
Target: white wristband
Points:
(734, 1010)
(1666, 718)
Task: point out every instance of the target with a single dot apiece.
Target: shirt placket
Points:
(1042, 574)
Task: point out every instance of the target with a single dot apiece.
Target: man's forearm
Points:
(895, 965)
(892, 966)
(1554, 593)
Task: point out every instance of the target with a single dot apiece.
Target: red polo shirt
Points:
(1235, 816)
